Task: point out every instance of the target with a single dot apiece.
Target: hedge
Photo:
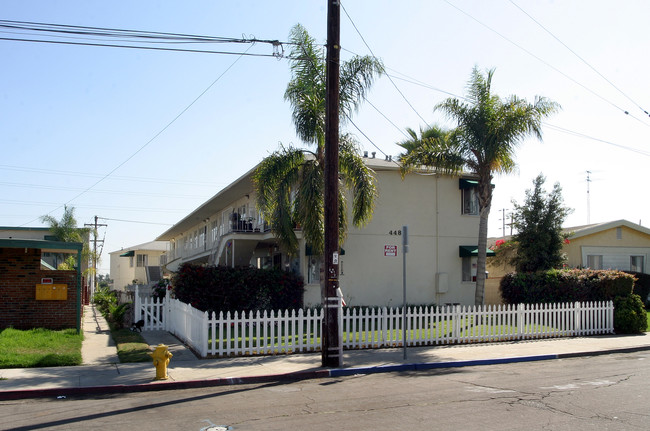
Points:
(212, 288)
(565, 286)
(582, 285)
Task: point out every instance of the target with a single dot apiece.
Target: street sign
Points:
(390, 250)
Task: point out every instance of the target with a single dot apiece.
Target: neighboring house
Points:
(441, 213)
(619, 244)
(49, 259)
(32, 296)
(141, 264)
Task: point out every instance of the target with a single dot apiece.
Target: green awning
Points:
(471, 251)
(467, 184)
(129, 253)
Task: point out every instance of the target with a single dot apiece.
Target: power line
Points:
(150, 140)
(579, 57)
(582, 135)
(547, 64)
(389, 77)
(135, 221)
(114, 177)
(154, 48)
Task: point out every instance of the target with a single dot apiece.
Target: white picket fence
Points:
(278, 332)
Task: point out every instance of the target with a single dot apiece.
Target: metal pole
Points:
(405, 245)
(332, 353)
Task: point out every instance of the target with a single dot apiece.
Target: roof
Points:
(216, 203)
(50, 246)
(152, 245)
(244, 185)
(580, 231)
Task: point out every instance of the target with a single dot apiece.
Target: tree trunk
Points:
(485, 203)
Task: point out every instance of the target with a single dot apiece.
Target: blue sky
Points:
(93, 127)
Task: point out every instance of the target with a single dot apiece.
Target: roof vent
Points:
(374, 153)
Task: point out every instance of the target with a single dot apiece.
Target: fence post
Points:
(578, 318)
(138, 307)
(521, 315)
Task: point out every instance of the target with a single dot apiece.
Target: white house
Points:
(441, 213)
(140, 264)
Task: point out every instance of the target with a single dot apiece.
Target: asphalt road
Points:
(608, 392)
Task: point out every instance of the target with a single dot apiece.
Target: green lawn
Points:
(39, 348)
(131, 347)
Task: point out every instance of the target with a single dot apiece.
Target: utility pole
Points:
(332, 353)
(588, 198)
(93, 285)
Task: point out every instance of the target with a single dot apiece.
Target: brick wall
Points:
(20, 272)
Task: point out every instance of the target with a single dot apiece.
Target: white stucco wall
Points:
(430, 207)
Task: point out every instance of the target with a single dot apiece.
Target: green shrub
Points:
(642, 286)
(630, 316)
(565, 286)
(116, 314)
(104, 299)
(211, 288)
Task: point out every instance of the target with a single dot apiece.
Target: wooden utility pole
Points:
(332, 354)
(93, 284)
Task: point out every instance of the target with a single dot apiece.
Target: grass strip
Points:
(39, 348)
(131, 347)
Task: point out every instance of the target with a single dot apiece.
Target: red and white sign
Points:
(47, 281)
(390, 250)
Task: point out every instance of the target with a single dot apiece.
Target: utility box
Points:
(51, 292)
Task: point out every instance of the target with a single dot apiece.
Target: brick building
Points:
(33, 296)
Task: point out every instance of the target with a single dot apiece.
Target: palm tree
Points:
(66, 230)
(290, 182)
(487, 133)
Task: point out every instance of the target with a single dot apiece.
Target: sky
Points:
(140, 138)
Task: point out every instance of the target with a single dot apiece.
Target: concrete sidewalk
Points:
(103, 374)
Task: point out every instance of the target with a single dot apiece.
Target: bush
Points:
(629, 315)
(211, 288)
(116, 314)
(565, 286)
(104, 299)
(642, 286)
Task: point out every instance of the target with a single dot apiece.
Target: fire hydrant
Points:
(161, 358)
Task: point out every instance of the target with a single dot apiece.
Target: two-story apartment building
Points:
(441, 213)
(139, 264)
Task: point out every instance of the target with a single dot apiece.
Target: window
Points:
(313, 269)
(595, 261)
(467, 269)
(470, 201)
(636, 263)
(142, 260)
(130, 261)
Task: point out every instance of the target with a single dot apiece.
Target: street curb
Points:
(295, 376)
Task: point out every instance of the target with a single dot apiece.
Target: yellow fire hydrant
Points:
(161, 358)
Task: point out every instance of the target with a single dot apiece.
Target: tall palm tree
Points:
(66, 230)
(487, 133)
(290, 182)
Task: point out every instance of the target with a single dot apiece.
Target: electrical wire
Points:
(114, 177)
(389, 77)
(579, 57)
(547, 64)
(153, 48)
(134, 221)
(148, 142)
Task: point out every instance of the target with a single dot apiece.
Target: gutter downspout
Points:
(79, 291)
(437, 270)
